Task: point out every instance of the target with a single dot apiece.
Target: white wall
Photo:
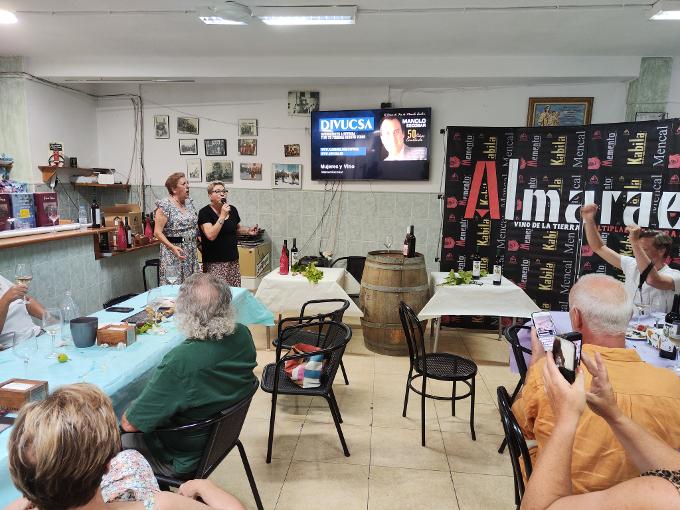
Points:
(220, 106)
(56, 115)
(673, 107)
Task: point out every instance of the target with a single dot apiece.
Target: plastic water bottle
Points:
(82, 215)
(70, 311)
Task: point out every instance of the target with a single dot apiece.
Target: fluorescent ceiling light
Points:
(231, 13)
(666, 10)
(7, 17)
(320, 15)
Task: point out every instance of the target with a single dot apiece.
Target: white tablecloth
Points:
(504, 300)
(285, 294)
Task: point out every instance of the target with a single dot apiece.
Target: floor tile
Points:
(483, 492)
(402, 448)
(480, 456)
(399, 488)
(319, 442)
(487, 419)
(255, 433)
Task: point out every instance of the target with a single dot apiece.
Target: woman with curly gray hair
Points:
(210, 371)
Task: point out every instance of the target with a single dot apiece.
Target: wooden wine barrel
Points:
(389, 278)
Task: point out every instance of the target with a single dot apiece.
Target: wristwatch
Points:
(220, 221)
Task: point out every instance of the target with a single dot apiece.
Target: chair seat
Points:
(286, 385)
(448, 367)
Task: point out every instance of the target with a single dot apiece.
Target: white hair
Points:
(603, 302)
(203, 310)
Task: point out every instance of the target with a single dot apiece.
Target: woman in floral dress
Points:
(176, 229)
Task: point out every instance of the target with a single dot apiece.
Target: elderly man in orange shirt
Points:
(600, 309)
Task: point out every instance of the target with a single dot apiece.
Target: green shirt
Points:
(194, 381)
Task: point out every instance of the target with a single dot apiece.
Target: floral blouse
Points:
(130, 478)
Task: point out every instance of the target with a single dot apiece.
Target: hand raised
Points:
(634, 232)
(588, 211)
(600, 398)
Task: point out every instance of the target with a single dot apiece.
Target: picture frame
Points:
(187, 125)
(559, 111)
(247, 146)
(301, 103)
(220, 170)
(251, 171)
(161, 126)
(247, 127)
(643, 116)
(291, 150)
(286, 176)
(215, 147)
(194, 170)
(188, 147)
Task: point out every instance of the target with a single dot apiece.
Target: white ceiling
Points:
(427, 28)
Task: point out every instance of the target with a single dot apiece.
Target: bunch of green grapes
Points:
(313, 274)
(461, 277)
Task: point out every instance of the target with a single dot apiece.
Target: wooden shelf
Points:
(129, 250)
(13, 242)
(49, 171)
(97, 185)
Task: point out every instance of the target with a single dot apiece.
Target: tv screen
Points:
(389, 144)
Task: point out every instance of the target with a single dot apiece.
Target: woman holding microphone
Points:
(219, 223)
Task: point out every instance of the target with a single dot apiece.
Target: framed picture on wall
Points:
(302, 102)
(247, 146)
(247, 127)
(251, 171)
(194, 170)
(188, 147)
(162, 126)
(220, 171)
(559, 111)
(642, 116)
(215, 147)
(291, 150)
(286, 176)
(187, 125)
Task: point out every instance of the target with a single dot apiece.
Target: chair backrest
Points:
(517, 446)
(224, 434)
(415, 339)
(354, 265)
(511, 335)
(335, 315)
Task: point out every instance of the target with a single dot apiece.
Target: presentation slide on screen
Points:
(388, 144)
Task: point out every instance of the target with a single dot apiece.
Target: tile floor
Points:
(387, 469)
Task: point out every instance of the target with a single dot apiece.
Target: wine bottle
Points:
(96, 214)
(153, 223)
(476, 265)
(103, 240)
(121, 241)
(409, 249)
(285, 257)
(148, 230)
(498, 269)
(294, 257)
(128, 233)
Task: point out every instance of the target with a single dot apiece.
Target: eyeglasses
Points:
(220, 191)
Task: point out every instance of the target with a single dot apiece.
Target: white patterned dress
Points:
(180, 224)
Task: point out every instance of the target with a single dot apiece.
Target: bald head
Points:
(603, 305)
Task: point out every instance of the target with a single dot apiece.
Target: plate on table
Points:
(635, 336)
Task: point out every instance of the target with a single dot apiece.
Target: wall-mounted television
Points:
(385, 144)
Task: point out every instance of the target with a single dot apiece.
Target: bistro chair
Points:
(276, 382)
(225, 428)
(518, 351)
(308, 335)
(152, 263)
(517, 445)
(439, 366)
(354, 265)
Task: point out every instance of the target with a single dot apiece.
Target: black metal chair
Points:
(225, 428)
(439, 366)
(354, 265)
(152, 263)
(517, 445)
(119, 299)
(276, 382)
(311, 337)
(518, 351)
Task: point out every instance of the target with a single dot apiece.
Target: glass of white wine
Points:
(52, 322)
(23, 275)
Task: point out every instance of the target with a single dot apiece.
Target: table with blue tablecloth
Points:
(120, 373)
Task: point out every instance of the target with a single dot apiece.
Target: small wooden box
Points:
(14, 393)
(114, 334)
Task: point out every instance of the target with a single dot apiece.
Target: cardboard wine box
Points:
(23, 210)
(14, 393)
(114, 334)
(42, 200)
(130, 211)
(256, 260)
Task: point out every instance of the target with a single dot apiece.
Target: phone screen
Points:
(545, 328)
(566, 355)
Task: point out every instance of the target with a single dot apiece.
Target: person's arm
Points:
(644, 449)
(654, 278)
(594, 239)
(15, 292)
(34, 307)
(212, 231)
(161, 221)
(211, 494)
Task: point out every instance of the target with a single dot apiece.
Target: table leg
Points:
(436, 334)
(500, 329)
(432, 323)
(269, 340)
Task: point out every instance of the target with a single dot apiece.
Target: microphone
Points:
(223, 200)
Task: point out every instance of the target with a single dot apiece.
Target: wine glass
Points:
(388, 241)
(156, 299)
(641, 307)
(23, 275)
(52, 322)
(659, 307)
(24, 346)
(53, 215)
(171, 275)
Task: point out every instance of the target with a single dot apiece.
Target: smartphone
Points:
(567, 356)
(119, 309)
(545, 328)
(7, 420)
